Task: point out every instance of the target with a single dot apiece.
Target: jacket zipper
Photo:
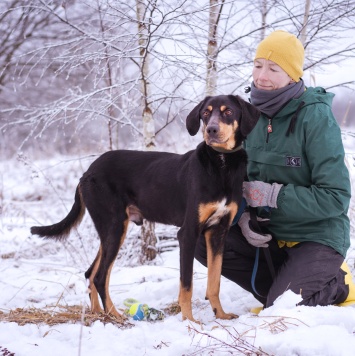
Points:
(269, 130)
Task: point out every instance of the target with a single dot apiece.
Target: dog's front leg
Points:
(214, 266)
(185, 297)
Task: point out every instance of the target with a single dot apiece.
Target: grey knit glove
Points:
(254, 238)
(261, 194)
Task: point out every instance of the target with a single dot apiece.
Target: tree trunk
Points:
(303, 36)
(264, 12)
(212, 48)
(149, 239)
(109, 83)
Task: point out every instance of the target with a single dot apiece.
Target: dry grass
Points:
(65, 314)
(237, 344)
(172, 309)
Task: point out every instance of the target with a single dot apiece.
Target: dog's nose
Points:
(212, 129)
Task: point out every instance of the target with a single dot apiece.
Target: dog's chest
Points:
(212, 213)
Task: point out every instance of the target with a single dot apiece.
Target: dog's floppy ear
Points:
(193, 119)
(250, 116)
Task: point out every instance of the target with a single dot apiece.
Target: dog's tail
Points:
(60, 231)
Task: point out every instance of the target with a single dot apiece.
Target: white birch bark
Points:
(145, 58)
(149, 239)
(212, 47)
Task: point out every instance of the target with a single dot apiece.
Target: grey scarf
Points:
(269, 102)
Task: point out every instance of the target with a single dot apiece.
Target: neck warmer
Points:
(269, 102)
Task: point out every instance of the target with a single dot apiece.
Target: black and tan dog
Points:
(198, 191)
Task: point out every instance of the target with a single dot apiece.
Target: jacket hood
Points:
(310, 96)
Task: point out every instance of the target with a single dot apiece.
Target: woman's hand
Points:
(254, 238)
(258, 193)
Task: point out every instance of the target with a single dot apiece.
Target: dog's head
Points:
(226, 119)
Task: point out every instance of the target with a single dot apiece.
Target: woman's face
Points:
(267, 75)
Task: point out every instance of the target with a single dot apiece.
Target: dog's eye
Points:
(228, 112)
(206, 113)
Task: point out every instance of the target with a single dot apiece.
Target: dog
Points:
(198, 191)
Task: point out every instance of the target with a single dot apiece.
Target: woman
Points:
(299, 184)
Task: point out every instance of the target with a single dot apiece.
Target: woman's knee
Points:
(311, 270)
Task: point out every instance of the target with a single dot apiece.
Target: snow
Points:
(45, 274)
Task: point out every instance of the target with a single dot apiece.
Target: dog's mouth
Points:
(212, 141)
(226, 145)
(216, 138)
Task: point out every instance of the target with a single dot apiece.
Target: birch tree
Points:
(303, 34)
(144, 17)
(216, 8)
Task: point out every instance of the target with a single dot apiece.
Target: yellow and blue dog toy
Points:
(140, 311)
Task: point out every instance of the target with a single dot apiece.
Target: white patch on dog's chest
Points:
(221, 210)
(212, 213)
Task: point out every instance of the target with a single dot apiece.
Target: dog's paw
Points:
(227, 316)
(191, 318)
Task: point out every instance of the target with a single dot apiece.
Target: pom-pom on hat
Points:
(284, 49)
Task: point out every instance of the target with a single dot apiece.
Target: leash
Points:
(256, 227)
(240, 211)
(255, 270)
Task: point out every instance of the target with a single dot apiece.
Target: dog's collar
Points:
(222, 150)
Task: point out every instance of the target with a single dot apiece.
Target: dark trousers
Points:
(309, 268)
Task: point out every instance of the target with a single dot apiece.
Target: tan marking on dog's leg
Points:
(233, 208)
(94, 295)
(185, 297)
(109, 306)
(214, 265)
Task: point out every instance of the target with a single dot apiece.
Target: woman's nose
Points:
(263, 74)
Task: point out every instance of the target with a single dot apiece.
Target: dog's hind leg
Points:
(110, 217)
(90, 275)
(112, 231)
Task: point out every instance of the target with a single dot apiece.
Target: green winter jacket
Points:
(309, 162)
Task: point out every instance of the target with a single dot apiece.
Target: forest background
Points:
(80, 77)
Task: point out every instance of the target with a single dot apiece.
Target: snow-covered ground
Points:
(45, 274)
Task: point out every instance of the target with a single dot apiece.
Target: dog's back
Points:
(149, 182)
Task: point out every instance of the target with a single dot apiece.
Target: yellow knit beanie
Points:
(286, 50)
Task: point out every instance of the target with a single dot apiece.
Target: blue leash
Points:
(255, 270)
(253, 218)
(257, 252)
(240, 211)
